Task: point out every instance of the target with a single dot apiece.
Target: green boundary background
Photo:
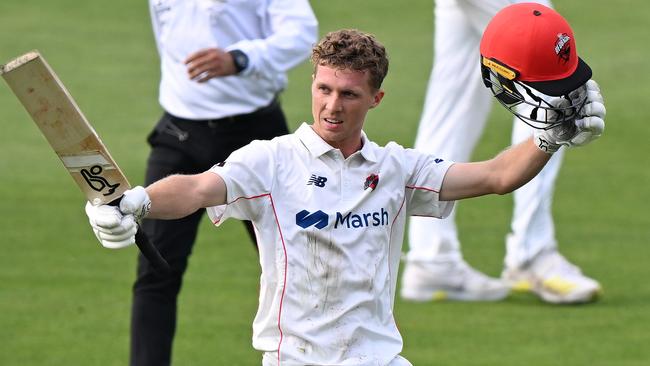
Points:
(66, 301)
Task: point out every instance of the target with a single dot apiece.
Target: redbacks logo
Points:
(563, 47)
(371, 182)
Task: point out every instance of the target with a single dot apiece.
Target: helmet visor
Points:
(529, 105)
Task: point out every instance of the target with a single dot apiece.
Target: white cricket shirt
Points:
(329, 242)
(275, 34)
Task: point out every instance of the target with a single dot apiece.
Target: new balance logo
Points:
(319, 219)
(317, 181)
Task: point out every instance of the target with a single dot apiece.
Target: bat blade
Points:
(71, 136)
(65, 127)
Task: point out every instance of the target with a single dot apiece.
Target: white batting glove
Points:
(113, 229)
(116, 227)
(136, 202)
(588, 125)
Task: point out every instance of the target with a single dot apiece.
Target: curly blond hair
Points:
(354, 50)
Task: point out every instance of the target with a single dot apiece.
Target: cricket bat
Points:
(72, 137)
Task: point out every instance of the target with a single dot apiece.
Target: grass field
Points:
(65, 301)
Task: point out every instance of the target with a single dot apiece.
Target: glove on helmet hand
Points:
(588, 125)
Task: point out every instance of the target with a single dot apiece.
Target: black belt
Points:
(258, 112)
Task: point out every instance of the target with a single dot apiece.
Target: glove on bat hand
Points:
(586, 127)
(116, 227)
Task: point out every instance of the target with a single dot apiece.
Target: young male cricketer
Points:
(329, 208)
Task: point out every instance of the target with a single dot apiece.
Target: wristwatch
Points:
(240, 59)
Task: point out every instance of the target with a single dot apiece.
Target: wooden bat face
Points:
(73, 139)
(65, 127)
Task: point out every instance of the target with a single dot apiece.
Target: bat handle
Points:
(150, 252)
(147, 249)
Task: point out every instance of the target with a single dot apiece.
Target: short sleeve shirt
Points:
(330, 233)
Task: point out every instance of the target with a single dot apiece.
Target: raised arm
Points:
(180, 195)
(503, 174)
(170, 198)
(516, 166)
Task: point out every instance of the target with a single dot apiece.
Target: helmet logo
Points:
(563, 47)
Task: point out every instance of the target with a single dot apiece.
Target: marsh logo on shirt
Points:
(359, 220)
(304, 219)
(349, 220)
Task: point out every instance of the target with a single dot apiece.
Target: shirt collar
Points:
(317, 146)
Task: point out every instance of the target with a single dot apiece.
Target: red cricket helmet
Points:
(531, 45)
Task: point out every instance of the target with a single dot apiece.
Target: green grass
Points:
(65, 301)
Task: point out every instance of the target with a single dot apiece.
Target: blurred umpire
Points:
(223, 64)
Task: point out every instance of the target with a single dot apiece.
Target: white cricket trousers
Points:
(455, 112)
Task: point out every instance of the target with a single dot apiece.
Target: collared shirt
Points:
(330, 233)
(275, 34)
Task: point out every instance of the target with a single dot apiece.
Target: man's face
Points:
(340, 100)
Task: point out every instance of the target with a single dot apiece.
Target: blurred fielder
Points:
(329, 205)
(455, 112)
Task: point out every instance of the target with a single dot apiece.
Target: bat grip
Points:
(150, 252)
(147, 249)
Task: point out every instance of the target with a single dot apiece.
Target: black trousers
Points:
(186, 147)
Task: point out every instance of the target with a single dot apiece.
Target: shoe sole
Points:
(580, 298)
(547, 293)
(447, 295)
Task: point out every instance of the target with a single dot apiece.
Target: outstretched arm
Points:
(516, 166)
(170, 198)
(180, 195)
(503, 174)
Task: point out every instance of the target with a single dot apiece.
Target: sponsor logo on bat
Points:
(96, 181)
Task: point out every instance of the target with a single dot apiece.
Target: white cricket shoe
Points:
(454, 280)
(554, 279)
